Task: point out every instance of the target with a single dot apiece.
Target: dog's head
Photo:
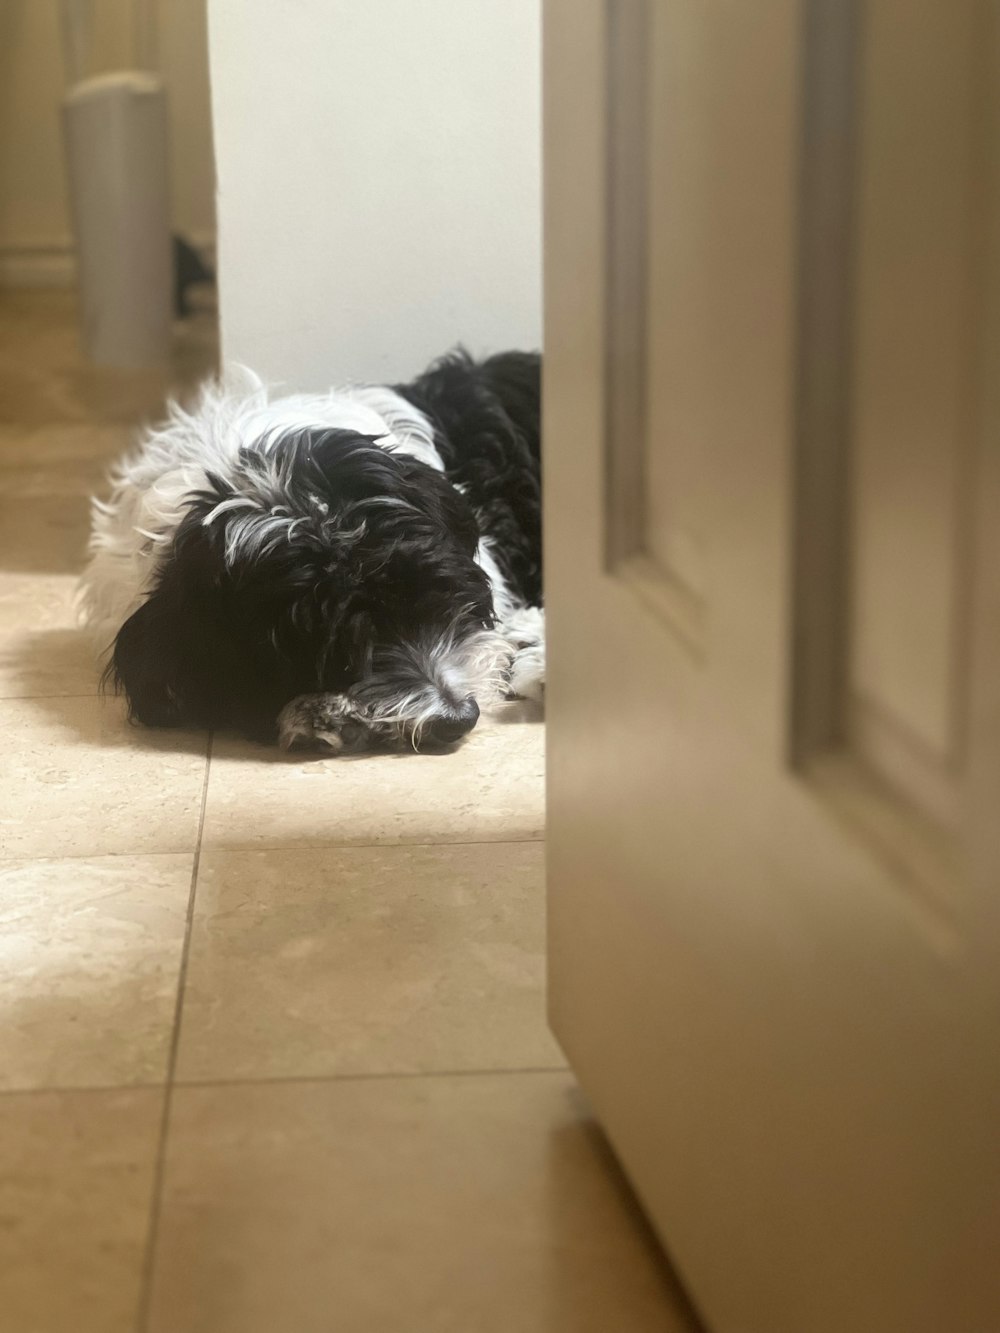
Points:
(322, 565)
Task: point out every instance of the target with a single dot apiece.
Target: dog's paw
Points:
(326, 722)
(527, 674)
(525, 628)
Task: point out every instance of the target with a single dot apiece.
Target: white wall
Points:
(379, 182)
(35, 236)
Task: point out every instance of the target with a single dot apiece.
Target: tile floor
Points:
(274, 1052)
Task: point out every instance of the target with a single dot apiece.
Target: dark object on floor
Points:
(189, 271)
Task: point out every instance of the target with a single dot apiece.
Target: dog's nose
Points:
(452, 723)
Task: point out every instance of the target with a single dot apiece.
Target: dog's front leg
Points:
(328, 722)
(524, 630)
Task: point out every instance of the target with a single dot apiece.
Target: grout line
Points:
(374, 1076)
(66, 1089)
(215, 849)
(90, 856)
(277, 1080)
(146, 1283)
(230, 848)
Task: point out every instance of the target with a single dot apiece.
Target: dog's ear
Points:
(169, 662)
(146, 665)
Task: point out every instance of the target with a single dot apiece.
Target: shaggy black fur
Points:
(487, 425)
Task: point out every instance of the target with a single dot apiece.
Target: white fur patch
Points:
(524, 630)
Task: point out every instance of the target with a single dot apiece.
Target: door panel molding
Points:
(655, 581)
(821, 521)
(902, 795)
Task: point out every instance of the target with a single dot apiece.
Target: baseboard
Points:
(54, 265)
(38, 266)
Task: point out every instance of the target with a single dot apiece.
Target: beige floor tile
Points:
(490, 789)
(77, 780)
(47, 478)
(77, 481)
(76, 1175)
(42, 649)
(367, 960)
(59, 450)
(90, 952)
(47, 535)
(44, 377)
(36, 601)
(478, 1204)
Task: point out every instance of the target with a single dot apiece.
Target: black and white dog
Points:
(350, 570)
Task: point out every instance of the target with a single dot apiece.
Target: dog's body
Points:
(351, 569)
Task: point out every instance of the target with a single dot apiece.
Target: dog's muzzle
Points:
(333, 723)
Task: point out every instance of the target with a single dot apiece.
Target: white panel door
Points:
(773, 582)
